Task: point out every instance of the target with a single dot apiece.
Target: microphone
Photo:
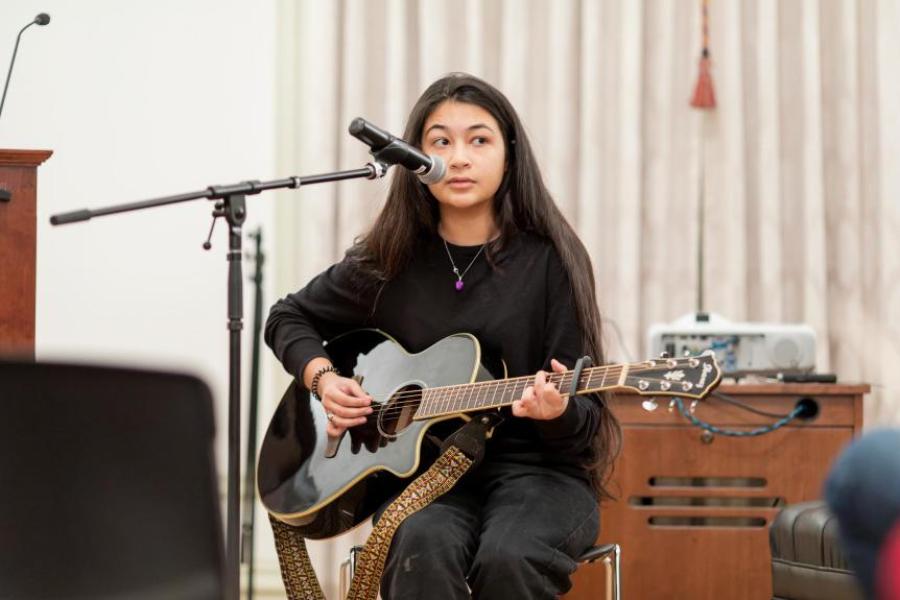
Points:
(394, 151)
(41, 19)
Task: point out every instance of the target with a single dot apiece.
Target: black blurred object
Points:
(5, 195)
(807, 377)
(41, 19)
(109, 487)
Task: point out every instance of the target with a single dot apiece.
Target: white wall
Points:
(141, 99)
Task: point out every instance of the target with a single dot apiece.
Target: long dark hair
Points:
(522, 204)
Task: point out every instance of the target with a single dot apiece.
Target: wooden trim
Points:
(858, 413)
(818, 389)
(23, 158)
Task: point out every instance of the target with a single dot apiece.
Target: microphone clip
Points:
(394, 153)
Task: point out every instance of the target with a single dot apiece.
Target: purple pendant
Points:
(459, 285)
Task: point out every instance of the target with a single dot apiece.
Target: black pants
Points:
(504, 531)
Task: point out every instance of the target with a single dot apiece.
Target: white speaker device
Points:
(740, 348)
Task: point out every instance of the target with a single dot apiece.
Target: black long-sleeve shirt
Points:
(521, 310)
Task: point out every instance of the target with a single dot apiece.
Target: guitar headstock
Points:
(688, 376)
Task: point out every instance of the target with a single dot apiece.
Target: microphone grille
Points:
(435, 173)
(42, 19)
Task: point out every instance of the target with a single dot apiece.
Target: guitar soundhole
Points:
(397, 414)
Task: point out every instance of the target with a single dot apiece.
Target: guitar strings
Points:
(416, 396)
(614, 370)
(396, 407)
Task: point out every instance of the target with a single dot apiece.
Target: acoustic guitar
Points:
(326, 485)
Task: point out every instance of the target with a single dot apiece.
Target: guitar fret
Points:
(451, 399)
(435, 401)
(476, 400)
(465, 397)
(445, 396)
(432, 403)
(563, 386)
(422, 409)
(519, 389)
(500, 398)
(423, 400)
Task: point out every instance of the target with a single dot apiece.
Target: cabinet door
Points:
(692, 515)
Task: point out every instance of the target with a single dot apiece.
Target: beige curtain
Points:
(797, 165)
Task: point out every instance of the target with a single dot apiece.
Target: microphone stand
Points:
(230, 204)
(41, 19)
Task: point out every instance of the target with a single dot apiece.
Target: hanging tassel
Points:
(704, 96)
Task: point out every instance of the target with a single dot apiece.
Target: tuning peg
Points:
(649, 405)
(693, 406)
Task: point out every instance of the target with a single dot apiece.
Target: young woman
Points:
(484, 251)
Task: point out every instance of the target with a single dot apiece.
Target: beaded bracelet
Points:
(314, 385)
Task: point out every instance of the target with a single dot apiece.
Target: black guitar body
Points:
(324, 496)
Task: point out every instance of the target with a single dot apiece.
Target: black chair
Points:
(807, 560)
(108, 485)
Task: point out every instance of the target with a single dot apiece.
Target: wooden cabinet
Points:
(693, 509)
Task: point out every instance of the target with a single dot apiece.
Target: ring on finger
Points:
(330, 416)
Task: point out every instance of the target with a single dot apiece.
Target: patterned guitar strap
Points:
(461, 451)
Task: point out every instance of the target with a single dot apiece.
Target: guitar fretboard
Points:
(468, 397)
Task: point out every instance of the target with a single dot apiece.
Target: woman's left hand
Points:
(542, 401)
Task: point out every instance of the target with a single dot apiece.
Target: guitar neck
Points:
(689, 376)
(471, 397)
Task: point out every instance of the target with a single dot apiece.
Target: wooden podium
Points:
(18, 248)
(694, 509)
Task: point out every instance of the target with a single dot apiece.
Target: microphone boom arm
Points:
(372, 170)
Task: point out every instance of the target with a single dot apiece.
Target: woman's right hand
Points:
(344, 401)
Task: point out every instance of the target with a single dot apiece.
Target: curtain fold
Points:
(796, 168)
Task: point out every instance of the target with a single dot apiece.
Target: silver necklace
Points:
(459, 276)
